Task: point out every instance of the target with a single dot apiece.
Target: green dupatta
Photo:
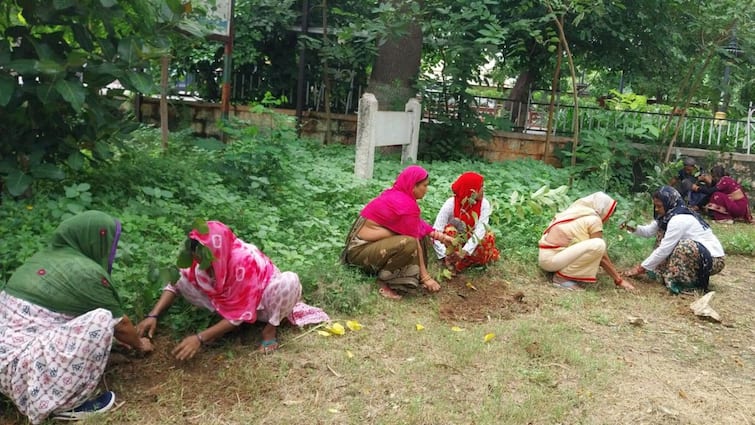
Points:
(72, 276)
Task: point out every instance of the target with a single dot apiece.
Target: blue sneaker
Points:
(102, 403)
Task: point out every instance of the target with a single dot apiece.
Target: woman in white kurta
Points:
(687, 252)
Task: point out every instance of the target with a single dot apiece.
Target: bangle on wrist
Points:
(152, 316)
(199, 337)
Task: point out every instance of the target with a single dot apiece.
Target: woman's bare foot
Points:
(387, 292)
(430, 284)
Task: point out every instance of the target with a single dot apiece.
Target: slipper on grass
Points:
(569, 285)
(389, 293)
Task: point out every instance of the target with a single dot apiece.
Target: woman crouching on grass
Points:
(687, 252)
(233, 278)
(390, 239)
(465, 217)
(59, 316)
(572, 247)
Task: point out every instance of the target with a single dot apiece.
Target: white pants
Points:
(578, 262)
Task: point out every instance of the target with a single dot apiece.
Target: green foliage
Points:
(55, 61)
(498, 123)
(300, 220)
(626, 101)
(605, 158)
(739, 242)
(445, 141)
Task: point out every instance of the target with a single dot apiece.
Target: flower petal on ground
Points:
(336, 329)
(489, 337)
(353, 325)
(419, 327)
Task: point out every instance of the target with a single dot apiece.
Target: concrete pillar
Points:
(409, 151)
(366, 135)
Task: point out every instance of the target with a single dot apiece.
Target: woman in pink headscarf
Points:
(388, 238)
(233, 278)
(729, 201)
(465, 217)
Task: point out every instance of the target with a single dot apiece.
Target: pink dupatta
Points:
(397, 209)
(242, 272)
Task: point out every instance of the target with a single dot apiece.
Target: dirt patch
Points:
(682, 369)
(482, 298)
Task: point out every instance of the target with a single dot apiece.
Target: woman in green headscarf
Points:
(59, 313)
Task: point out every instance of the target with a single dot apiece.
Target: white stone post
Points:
(414, 112)
(366, 135)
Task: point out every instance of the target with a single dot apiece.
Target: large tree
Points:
(394, 75)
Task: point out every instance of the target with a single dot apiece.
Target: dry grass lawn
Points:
(556, 357)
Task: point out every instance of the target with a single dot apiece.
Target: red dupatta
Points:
(468, 198)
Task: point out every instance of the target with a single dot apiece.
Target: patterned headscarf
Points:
(397, 209)
(241, 273)
(72, 276)
(673, 204)
(468, 198)
(92, 233)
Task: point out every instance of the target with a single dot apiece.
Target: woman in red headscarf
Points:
(465, 218)
(388, 237)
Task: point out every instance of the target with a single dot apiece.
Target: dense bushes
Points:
(298, 212)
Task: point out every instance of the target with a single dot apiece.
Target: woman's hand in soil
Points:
(146, 345)
(624, 284)
(147, 327)
(634, 271)
(187, 348)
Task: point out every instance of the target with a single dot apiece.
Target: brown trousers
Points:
(394, 259)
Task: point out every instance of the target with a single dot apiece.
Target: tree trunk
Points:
(164, 64)
(517, 102)
(326, 72)
(552, 106)
(573, 71)
(397, 65)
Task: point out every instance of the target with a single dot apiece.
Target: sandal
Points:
(269, 345)
(389, 293)
(569, 285)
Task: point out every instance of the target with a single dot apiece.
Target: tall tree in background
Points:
(394, 74)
